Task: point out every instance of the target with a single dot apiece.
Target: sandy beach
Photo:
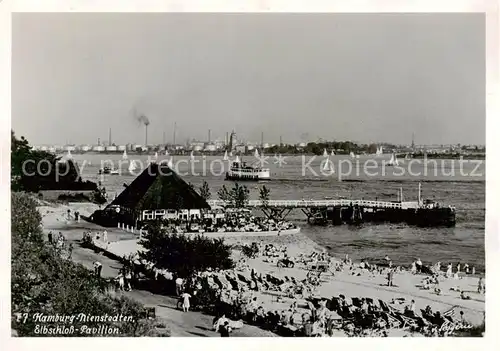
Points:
(351, 282)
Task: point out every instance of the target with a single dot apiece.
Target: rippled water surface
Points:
(446, 181)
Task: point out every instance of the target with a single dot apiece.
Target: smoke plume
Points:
(143, 119)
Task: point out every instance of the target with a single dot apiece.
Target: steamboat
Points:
(242, 171)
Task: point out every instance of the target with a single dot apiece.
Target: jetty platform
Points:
(346, 211)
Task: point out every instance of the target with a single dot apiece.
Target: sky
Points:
(361, 77)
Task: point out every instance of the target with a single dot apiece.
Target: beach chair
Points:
(391, 320)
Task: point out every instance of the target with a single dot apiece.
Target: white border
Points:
(490, 7)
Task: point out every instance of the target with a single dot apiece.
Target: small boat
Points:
(407, 157)
(105, 170)
(132, 167)
(192, 156)
(332, 153)
(166, 152)
(327, 165)
(352, 154)
(156, 155)
(256, 153)
(114, 172)
(393, 161)
(225, 156)
(379, 151)
(240, 171)
(237, 160)
(170, 163)
(230, 154)
(325, 153)
(124, 156)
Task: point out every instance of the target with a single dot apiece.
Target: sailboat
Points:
(379, 151)
(170, 163)
(237, 160)
(132, 167)
(325, 153)
(256, 154)
(393, 161)
(352, 154)
(192, 156)
(68, 155)
(332, 153)
(225, 156)
(156, 155)
(326, 166)
(407, 157)
(230, 154)
(166, 152)
(124, 156)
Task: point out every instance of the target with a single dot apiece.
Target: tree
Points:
(205, 191)
(184, 255)
(264, 194)
(34, 170)
(236, 197)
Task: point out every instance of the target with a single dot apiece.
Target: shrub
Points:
(43, 282)
(182, 254)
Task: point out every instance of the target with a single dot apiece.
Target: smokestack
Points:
(281, 141)
(109, 137)
(262, 139)
(175, 129)
(227, 138)
(98, 141)
(146, 139)
(209, 135)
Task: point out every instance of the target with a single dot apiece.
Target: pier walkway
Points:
(322, 204)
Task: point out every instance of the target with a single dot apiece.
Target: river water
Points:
(450, 182)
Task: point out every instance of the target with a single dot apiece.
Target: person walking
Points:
(121, 281)
(185, 303)
(128, 279)
(97, 268)
(225, 329)
(178, 286)
(70, 251)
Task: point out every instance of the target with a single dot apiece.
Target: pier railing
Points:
(322, 203)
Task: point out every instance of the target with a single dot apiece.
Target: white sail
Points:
(256, 153)
(156, 155)
(332, 153)
(230, 154)
(170, 163)
(192, 155)
(407, 157)
(237, 160)
(124, 156)
(166, 152)
(352, 154)
(393, 161)
(131, 166)
(225, 156)
(327, 165)
(325, 153)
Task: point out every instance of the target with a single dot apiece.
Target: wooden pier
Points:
(344, 211)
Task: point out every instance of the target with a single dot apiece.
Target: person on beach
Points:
(466, 269)
(449, 271)
(178, 286)
(387, 259)
(97, 268)
(480, 287)
(185, 303)
(50, 237)
(458, 267)
(473, 270)
(414, 268)
(105, 236)
(418, 263)
(390, 277)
